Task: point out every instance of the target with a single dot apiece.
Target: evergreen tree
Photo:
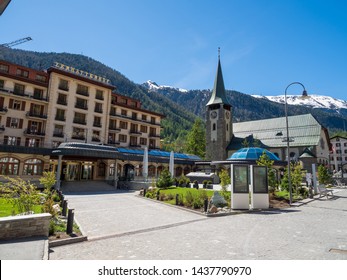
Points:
(196, 141)
(264, 160)
(324, 177)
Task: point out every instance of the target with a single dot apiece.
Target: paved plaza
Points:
(124, 226)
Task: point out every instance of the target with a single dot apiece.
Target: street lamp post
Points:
(304, 94)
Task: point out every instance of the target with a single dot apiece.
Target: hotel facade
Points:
(40, 110)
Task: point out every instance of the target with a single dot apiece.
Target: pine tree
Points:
(196, 142)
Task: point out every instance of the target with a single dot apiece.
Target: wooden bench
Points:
(324, 191)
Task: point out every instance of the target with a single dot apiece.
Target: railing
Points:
(36, 115)
(78, 137)
(154, 135)
(60, 118)
(97, 110)
(96, 139)
(61, 101)
(114, 114)
(114, 128)
(2, 128)
(97, 124)
(3, 109)
(81, 106)
(61, 87)
(79, 121)
(113, 142)
(58, 134)
(24, 94)
(135, 132)
(34, 132)
(81, 92)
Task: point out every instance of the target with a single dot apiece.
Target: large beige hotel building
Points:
(40, 110)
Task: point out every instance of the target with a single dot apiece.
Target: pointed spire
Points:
(218, 94)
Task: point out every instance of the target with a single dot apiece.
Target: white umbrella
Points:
(145, 164)
(171, 165)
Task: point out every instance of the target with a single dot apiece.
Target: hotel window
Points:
(345, 144)
(13, 123)
(32, 142)
(98, 107)
(152, 131)
(113, 124)
(40, 78)
(4, 68)
(22, 73)
(338, 144)
(78, 133)
(133, 127)
(97, 121)
(133, 141)
(143, 129)
(124, 112)
(60, 115)
(63, 84)
(122, 138)
(79, 118)
(134, 116)
(143, 141)
(62, 99)
(123, 101)
(81, 89)
(152, 119)
(123, 125)
(15, 104)
(144, 117)
(33, 167)
(2, 83)
(96, 136)
(58, 130)
(81, 103)
(99, 94)
(12, 140)
(19, 89)
(38, 93)
(9, 166)
(132, 104)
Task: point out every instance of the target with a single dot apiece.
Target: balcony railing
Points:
(62, 87)
(36, 115)
(24, 94)
(60, 118)
(2, 128)
(154, 135)
(96, 139)
(35, 132)
(61, 101)
(98, 110)
(79, 121)
(78, 137)
(113, 142)
(97, 124)
(136, 132)
(81, 106)
(3, 109)
(112, 127)
(58, 134)
(82, 92)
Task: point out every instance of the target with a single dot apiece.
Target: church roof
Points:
(218, 94)
(304, 130)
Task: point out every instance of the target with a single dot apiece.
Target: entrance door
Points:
(73, 172)
(129, 172)
(87, 171)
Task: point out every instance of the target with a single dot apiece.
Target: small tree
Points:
(264, 160)
(165, 180)
(295, 177)
(48, 180)
(324, 177)
(22, 194)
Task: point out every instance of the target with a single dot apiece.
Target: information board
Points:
(240, 179)
(260, 181)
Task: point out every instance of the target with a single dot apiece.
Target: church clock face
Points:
(213, 114)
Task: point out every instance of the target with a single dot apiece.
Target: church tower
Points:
(218, 120)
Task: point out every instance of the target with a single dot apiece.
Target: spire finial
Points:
(218, 52)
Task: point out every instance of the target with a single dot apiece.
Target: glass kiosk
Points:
(239, 187)
(259, 187)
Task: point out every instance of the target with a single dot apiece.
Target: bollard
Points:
(176, 199)
(62, 197)
(144, 192)
(64, 210)
(205, 205)
(70, 218)
(158, 192)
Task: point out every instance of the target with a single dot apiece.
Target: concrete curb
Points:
(72, 240)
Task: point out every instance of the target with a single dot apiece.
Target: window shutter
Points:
(11, 103)
(1, 101)
(8, 122)
(18, 141)
(23, 106)
(20, 123)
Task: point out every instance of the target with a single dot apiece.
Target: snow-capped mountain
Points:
(313, 101)
(155, 87)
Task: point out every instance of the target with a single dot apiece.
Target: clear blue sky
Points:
(265, 44)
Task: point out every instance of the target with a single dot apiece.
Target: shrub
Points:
(151, 193)
(189, 199)
(165, 180)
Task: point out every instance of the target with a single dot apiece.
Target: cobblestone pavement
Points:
(128, 227)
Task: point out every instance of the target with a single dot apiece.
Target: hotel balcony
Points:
(34, 132)
(3, 110)
(31, 114)
(135, 132)
(79, 121)
(114, 128)
(81, 106)
(2, 128)
(78, 136)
